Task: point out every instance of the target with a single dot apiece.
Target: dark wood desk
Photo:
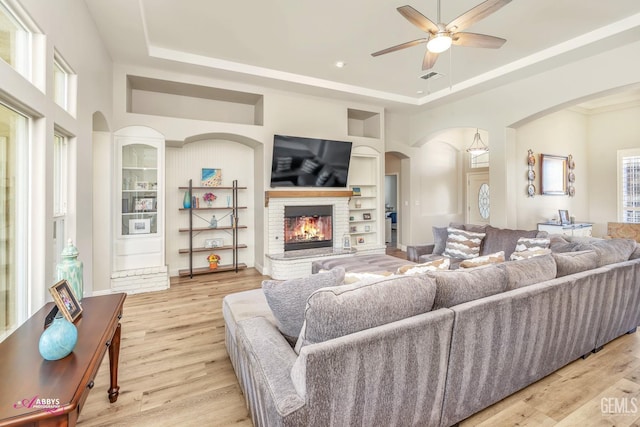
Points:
(27, 380)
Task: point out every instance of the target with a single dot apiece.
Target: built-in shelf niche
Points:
(363, 123)
(188, 101)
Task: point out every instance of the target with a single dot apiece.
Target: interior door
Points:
(478, 200)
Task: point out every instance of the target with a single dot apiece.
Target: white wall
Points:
(608, 132)
(62, 22)
(561, 133)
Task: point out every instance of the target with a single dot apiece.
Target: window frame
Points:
(622, 184)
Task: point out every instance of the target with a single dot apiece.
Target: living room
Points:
(540, 104)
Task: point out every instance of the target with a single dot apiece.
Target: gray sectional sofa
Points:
(431, 349)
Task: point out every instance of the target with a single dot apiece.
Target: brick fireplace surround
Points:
(293, 264)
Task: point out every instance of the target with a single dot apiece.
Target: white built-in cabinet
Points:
(366, 218)
(138, 211)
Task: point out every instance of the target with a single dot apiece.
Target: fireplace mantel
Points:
(300, 194)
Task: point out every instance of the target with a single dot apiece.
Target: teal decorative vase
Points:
(70, 268)
(186, 202)
(58, 340)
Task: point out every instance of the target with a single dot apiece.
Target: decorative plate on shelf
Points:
(570, 163)
(531, 159)
(531, 174)
(572, 177)
(572, 191)
(531, 190)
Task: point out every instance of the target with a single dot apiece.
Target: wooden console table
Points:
(37, 392)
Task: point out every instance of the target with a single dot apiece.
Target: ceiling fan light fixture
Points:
(439, 43)
(477, 146)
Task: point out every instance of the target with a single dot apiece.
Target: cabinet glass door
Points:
(139, 189)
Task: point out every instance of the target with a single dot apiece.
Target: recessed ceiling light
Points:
(341, 64)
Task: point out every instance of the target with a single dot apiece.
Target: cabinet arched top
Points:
(139, 131)
(364, 150)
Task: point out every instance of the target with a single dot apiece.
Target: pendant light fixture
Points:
(477, 146)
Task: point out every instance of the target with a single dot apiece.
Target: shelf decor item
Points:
(58, 340)
(213, 260)
(186, 201)
(209, 198)
(211, 177)
(71, 269)
(214, 222)
(66, 300)
(356, 191)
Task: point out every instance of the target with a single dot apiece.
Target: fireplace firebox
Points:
(308, 227)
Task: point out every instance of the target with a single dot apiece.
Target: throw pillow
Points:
(504, 239)
(495, 258)
(517, 256)
(438, 264)
(575, 262)
(440, 235)
(287, 298)
(351, 277)
(462, 244)
(455, 287)
(528, 271)
(342, 310)
(532, 244)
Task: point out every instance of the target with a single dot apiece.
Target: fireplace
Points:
(308, 227)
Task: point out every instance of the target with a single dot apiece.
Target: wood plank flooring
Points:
(174, 370)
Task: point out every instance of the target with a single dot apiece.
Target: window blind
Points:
(630, 191)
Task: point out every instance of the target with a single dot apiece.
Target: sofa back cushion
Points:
(287, 298)
(454, 287)
(503, 239)
(610, 251)
(529, 271)
(575, 262)
(341, 310)
(463, 244)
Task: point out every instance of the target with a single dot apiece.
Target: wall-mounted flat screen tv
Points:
(309, 162)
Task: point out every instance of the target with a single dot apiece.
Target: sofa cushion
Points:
(245, 305)
(575, 262)
(496, 258)
(610, 251)
(463, 244)
(341, 310)
(503, 239)
(529, 271)
(287, 298)
(558, 244)
(354, 277)
(517, 256)
(437, 264)
(440, 235)
(456, 287)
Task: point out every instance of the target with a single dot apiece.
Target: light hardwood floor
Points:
(174, 370)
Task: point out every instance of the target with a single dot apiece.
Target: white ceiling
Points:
(294, 44)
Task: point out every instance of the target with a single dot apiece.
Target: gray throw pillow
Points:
(341, 310)
(503, 239)
(439, 240)
(288, 298)
(459, 286)
(529, 271)
(575, 262)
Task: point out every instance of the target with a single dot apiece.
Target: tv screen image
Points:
(309, 162)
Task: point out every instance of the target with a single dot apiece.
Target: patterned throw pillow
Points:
(438, 264)
(483, 260)
(353, 277)
(532, 244)
(462, 244)
(517, 256)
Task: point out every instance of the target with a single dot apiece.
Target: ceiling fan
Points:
(442, 36)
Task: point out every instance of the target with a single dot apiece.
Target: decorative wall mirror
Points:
(553, 175)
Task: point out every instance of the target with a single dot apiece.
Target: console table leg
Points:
(114, 355)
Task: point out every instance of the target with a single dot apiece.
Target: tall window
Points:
(64, 84)
(13, 291)
(629, 185)
(15, 42)
(60, 188)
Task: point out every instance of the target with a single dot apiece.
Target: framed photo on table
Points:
(66, 300)
(564, 217)
(366, 216)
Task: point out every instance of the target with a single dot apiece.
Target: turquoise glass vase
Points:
(58, 340)
(186, 202)
(71, 269)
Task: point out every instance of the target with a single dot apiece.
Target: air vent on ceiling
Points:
(432, 75)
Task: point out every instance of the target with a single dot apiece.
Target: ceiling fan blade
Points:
(474, 15)
(477, 40)
(429, 60)
(418, 19)
(399, 47)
